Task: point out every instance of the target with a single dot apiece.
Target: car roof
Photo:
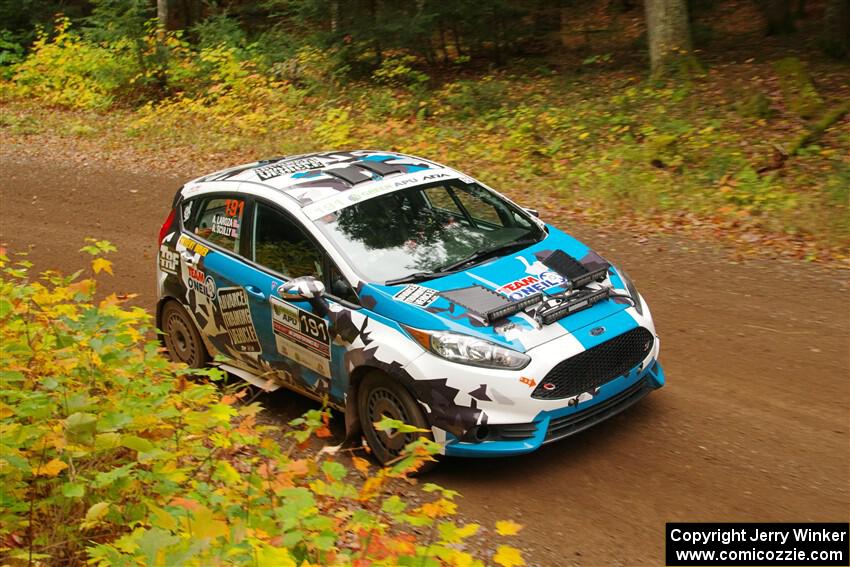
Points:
(310, 178)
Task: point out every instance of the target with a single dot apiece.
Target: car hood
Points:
(515, 275)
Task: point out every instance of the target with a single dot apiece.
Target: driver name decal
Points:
(236, 314)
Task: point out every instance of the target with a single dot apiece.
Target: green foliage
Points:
(756, 105)
(399, 72)
(11, 53)
(111, 455)
(799, 91)
(468, 98)
(68, 71)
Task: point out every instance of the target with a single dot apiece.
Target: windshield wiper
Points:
(482, 254)
(453, 267)
(418, 277)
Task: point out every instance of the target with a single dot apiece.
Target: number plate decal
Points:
(301, 336)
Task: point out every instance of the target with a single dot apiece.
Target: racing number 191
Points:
(233, 207)
(310, 325)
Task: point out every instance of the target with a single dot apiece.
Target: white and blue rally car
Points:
(390, 285)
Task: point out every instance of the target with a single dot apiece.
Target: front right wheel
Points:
(380, 396)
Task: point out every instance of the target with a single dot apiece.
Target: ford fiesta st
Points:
(390, 285)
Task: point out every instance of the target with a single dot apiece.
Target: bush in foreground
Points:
(109, 454)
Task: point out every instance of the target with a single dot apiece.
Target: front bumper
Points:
(548, 426)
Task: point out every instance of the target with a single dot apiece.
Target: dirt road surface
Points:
(752, 425)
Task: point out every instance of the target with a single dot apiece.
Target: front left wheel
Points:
(182, 338)
(381, 396)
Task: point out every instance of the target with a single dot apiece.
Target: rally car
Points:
(390, 285)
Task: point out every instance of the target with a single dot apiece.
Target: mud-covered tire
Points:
(181, 336)
(379, 395)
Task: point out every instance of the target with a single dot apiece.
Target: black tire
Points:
(379, 395)
(182, 338)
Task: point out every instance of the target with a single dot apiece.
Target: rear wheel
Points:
(182, 339)
(381, 396)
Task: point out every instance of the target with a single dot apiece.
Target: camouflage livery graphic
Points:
(502, 351)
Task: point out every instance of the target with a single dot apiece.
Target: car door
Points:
(296, 335)
(218, 283)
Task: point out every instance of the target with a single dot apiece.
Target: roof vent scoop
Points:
(567, 266)
(381, 168)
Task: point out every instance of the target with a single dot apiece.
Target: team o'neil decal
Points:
(233, 302)
(201, 282)
(301, 336)
(528, 285)
(417, 295)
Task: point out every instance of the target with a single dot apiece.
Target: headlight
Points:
(633, 292)
(465, 349)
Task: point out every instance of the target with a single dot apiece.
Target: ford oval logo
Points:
(596, 331)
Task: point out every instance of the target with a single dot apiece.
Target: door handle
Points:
(255, 291)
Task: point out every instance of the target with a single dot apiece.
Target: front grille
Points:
(596, 366)
(571, 424)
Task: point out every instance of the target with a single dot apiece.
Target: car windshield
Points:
(418, 231)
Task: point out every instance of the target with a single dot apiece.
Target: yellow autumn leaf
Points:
(507, 527)
(371, 488)
(508, 556)
(360, 464)
(583, 135)
(94, 515)
(101, 264)
(51, 468)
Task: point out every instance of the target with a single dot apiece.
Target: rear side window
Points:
(216, 219)
(281, 245)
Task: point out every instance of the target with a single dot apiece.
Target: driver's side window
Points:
(280, 244)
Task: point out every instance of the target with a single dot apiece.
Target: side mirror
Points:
(301, 289)
(342, 289)
(533, 212)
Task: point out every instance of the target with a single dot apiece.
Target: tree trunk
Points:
(166, 14)
(836, 27)
(669, 36)
(777, 14)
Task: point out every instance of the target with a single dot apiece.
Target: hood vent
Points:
(567, 266)
(487, 305)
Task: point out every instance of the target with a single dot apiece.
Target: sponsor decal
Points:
(201, 282)
(287, 167)
(301, 336)
(193, 246)
(433, 176)
(187, 210)
(528, 285)
(335, 203)
(417, 295)
(530, 382)
(191, 189)
(168, 259)
(236, 313)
